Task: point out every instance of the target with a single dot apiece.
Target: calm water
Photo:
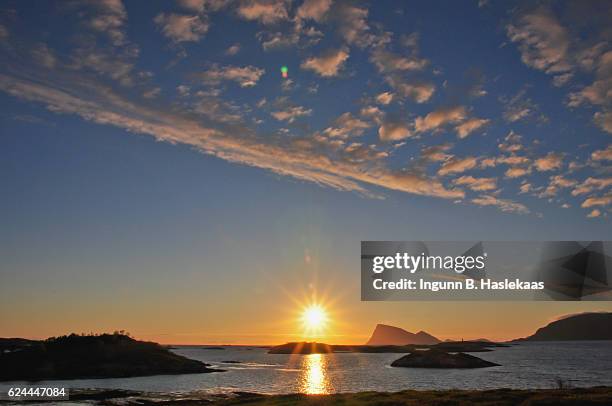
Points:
(528, 365)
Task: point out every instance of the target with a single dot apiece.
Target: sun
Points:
(314, 318)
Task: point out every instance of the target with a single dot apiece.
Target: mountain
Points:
(586, 326)
(389, 335)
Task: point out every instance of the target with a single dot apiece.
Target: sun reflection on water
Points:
(314, 379)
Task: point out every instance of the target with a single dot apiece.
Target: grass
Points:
(576, 396)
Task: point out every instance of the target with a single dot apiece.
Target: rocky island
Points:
(93, 356)
(441, 359)
(390, 335)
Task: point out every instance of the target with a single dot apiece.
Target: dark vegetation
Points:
(501, 397)
(92, 356)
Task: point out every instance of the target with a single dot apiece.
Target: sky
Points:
(160, 175)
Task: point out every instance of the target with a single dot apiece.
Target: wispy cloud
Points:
(245, 76)
(181, 28)
(503, 204)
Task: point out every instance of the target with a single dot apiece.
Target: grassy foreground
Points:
(575, 396)
(586, 396)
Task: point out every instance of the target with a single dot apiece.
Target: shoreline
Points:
(597, 395)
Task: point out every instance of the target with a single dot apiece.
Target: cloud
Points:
(591, 184)
(477, 184)
(192, 5)
(560, 181)
(457, 165)
(328, 64)
(202, 6)
(512, 160)
(393, 130)
(233, 50)
(488, 162)
(216, 110)
(436, 153)
(525, 188)
(180, 27)
(550, 162)
(518, 107)
(543, 42)
(604, 120)
(373, 113)
(598, 93)
(517, 172)
(384, 98)
(504, 205)
(386, 61)
(415, 90)
(152, 94)
(602, 154)
(44, 56)
(512, 143)
(109, 17)
(353, 25)
(277, 40)
(546, 45)
(246, 76)
(313, 9)
(594, 213)
(561, 80)
(105, 63)
(439, 118)
(469, 126)
(294, 157)
(345, 126)
(597, 201)
(290, 114)
(556, 183)
(264, 11)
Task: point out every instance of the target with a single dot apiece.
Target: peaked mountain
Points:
(586, 326)
(389, 335)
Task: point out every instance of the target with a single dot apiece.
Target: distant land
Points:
(322, 348)
(390, 335)
(90, 356)
(586, 326)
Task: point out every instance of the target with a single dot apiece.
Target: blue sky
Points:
(149, 148)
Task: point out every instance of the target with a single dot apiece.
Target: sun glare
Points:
(314, 318)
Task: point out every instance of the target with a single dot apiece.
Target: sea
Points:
(252, 369)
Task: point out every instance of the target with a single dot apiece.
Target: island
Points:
(301, 348)
(93, 356)
(441, 359)
(585, 326)
(322, 348)
(390, 335)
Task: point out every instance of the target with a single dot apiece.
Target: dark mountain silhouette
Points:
(586, 326)
(389, 335)
(301, 348)
(92, 356)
